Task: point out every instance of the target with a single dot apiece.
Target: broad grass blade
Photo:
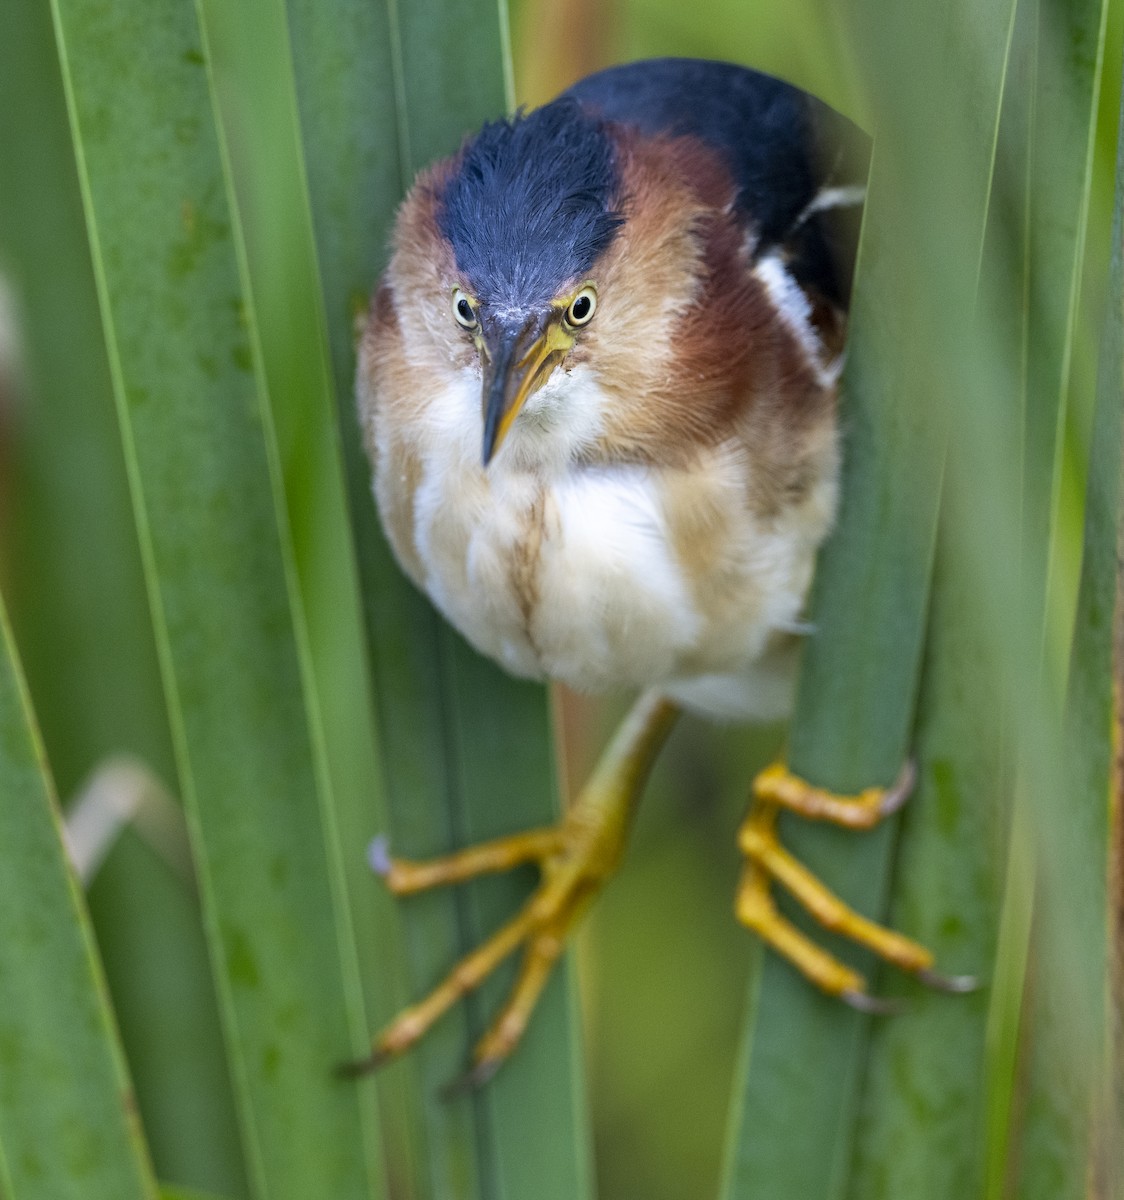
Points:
(1071, 40)
(248, 46)
(81, 614)
(1063, 1140)
(68, 1130)
(466, 750)
(346, 72)
(204, 469)
(1090, 713)
(793, 1127)
(925, 1094)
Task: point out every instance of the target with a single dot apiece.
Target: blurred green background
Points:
(663, 965)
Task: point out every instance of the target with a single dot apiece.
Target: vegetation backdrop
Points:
(209, 663)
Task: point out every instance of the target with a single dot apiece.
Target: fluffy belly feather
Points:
(614, 577)
(604, 576)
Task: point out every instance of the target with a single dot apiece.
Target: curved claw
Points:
(878, 1006)
(899, 791)
(363, 1066)
(958, 984)
(475, 1077)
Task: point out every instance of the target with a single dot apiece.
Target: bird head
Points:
(519, 348)
(505, 238)
(613, 293)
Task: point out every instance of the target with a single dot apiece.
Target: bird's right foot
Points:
(768, 861)
(575, 857)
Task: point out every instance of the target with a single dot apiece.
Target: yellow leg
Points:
(414, 1022)
(404, 878)
(768, 861)
(777, 785)
(507, 1030)
(756, 910)
(575, 858)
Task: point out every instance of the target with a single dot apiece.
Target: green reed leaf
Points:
(794, 1123)
(68, 1127)
(205, 476)
(81, 614)
(440, 707)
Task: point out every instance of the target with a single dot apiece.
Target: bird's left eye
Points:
(463, 310)
(582, 308)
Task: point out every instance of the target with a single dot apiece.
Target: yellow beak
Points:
(518, 360)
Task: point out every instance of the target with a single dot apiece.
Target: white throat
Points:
(560, 423)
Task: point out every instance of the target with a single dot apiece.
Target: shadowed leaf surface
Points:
(466, 749)
(68, 1126)
(81, 615)
(803, 1083)
(202, 462)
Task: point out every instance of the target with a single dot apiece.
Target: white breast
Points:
(570, 572)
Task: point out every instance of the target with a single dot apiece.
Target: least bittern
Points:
(598, 386)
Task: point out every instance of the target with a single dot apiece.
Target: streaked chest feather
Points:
(602, 576)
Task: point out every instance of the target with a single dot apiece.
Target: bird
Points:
(598, 386)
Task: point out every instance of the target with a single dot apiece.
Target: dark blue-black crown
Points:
(533, 203)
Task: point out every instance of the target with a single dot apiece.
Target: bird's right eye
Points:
(463, 310)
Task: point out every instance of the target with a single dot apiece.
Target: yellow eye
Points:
(463, 310)
(582, 308)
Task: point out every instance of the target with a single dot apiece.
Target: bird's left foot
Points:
(575, 858)
(767, 860)
(540, 928)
